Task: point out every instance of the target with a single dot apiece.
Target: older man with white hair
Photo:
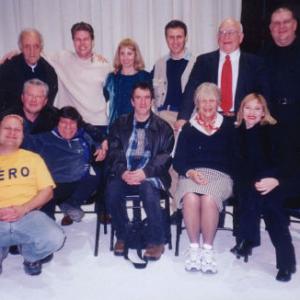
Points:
(27, 65)
(235, 72)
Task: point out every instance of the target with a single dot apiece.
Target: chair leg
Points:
(178, 231)
(98, 225)
(112, 236)
(169, 221)
(222, 219)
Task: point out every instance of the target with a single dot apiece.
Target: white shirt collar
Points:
(194, 123)
(233, 55)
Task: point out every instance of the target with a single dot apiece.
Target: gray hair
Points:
(207, 89)
(36, 82)
(30, 31)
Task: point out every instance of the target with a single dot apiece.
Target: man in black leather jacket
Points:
(139, 157)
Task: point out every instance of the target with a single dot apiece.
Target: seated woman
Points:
(68, 152)
(203, 161)
(258, 187)
(128, 70)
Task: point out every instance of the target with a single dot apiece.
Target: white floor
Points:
(76, 274)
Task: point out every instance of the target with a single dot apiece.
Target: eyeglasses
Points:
(228, 32)
(35, 97)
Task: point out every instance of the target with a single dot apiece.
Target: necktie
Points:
(226, 85)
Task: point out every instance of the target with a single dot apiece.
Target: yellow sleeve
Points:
(43, 176)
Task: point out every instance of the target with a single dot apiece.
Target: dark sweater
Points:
(197, 150)
(284, 72)
(256, 155)
(175, 69)
(13, 74)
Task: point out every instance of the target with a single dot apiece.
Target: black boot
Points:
(242, 249)
(285, 275)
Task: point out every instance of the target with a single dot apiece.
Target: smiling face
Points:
(127, 57)
(83, 44)
(67, 128)
(176, 40)
(34, 100)
(207, 107)
(253, 112)
(11, 133)
(230, 36)
(283, 27)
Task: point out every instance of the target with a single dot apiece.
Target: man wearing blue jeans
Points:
(138, 161)
(25, 185)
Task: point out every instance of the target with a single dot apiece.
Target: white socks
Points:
(207, 247)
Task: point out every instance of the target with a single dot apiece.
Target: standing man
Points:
(282, 58)
(25, 185)
(81, 76)
(24, 66)
(171, 72)
(139, 158)
(170, 76)
(236, 73)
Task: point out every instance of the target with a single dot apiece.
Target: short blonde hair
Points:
(266, 119)
(207, 89)
(138, 59)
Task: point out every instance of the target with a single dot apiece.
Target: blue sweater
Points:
(118, 89)
(197, 150)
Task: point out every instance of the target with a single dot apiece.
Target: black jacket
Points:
(13, 74)
(160, 137)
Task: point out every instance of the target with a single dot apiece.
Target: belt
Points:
(227, 114)
(285, 101)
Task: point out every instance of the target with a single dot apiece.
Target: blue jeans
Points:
(37, 234)
(117, 189)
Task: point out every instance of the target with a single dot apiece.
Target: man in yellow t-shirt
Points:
(25, 186)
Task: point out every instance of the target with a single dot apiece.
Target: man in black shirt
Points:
(282, 57)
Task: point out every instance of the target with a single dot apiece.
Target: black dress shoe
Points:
(284, 275)
(242, 249)
(66, 221)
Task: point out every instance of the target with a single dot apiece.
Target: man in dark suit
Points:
(27, 65)
(247, 72)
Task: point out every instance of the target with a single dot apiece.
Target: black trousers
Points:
(116, 191)
(73, 193)
(253, 206)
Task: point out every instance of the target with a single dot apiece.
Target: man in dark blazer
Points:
(27, 65)
(248, 72)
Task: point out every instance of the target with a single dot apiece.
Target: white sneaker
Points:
(208, 261)
(193, 262)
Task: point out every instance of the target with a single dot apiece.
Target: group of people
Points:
(217, 107)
